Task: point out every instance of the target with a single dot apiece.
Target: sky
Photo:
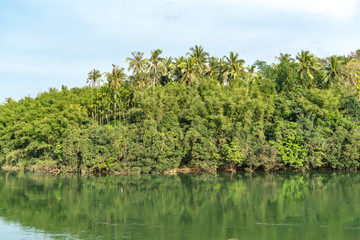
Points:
(49, 43)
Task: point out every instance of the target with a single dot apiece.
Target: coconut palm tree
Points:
(332, 69)
(177, 69)
(137, 63)
(155, 64)
(189, 70)
(94, 77)
(214, 67)
(115, 79)
(104, 103)
(356, 54)
(307, 64)
(167, 70)
(252, 73)
(350, 74)
(233, 67)
(284, 58)
(346, 59)
(200, 57)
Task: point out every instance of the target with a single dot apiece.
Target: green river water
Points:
(315, 205)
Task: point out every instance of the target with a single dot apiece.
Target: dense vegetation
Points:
(195, 111)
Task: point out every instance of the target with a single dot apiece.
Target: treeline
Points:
(193, 111)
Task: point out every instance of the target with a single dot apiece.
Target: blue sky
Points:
(49, 43)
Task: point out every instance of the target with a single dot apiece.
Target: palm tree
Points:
(114, 79)
(284, 58)
(104, 103)
(214, 66)
(252, 73)
(177, 70)
(189, 70)
(346, 59)
(200, 57)
(307, 64)
(332, 69)
(138, 65)
(233, 67)
(350, 76)
(94, 77)
(167, 69)
(155, 63)
(356, 54)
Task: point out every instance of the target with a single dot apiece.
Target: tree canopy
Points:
(196, 111)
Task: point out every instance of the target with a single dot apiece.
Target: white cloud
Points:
(67, 38)
(337, 10)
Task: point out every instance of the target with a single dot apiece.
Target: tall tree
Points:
(94, 77)
(115, 78)
(233, 67)
(155, 64)
(189, 70)
(252, 73)
(283, 58)
(201, 57)
(167, 70)
(346, 59)
(137, 63)
(177, 69)
(214, 67)
(356, 54)
(332, 70)
(307, 64)
(350, 77)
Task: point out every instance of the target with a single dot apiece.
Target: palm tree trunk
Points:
(115, 80)
(120, 112)
(155, 71)
(114, 115)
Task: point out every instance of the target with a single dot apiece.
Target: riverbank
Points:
(180, 170)
(125, 172)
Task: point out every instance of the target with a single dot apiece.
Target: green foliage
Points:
(233, 154)
(153, 148)
(289, 144)
(287, 77)
(200, 147)
(197, 111)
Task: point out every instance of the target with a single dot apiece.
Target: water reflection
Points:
(15, 231)
(314, 205)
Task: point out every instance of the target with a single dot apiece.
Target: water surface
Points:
(314, 205)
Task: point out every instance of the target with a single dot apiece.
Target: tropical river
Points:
(315, 205)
